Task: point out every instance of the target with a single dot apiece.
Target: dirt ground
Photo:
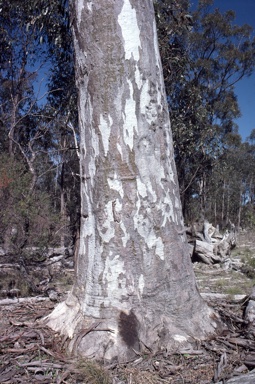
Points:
(32, 353)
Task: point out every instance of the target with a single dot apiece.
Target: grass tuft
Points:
(90, 372)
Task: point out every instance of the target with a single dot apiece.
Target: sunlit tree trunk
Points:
(134, 285)
(241, 203)
(227, 205)
(215, 212)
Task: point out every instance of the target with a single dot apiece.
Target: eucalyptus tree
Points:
(240, 164)
(134, 285)
(202, 62)
(25, 133)
(231, 189)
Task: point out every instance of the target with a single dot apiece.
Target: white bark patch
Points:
(116, 185)
(88, 224)
(141, 188)
(145, 178)
(118, 205)
(87, 245)
(80, 7)
(120, 150)
(180, 338)
(89, 5)
(130, 119)
(158, 170)
(105, 129)
(145, 97)
(156, 48)
(170, 169)
(141, 284)
(161, 85)
(138, 78)
(65, 318)
(92, 170)
(107, 230)
(126, 236)
(130, 31)
(92, 163)
(149, 107)
(144, 227)
(95, 142)
(157, 242)
(114, 277)
(166, 207)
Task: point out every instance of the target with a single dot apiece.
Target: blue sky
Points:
(245, 89)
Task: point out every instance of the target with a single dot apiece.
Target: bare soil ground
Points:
(32, 353)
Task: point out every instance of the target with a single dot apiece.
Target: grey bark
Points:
(135, 284)
(212, 247)
(249, 378)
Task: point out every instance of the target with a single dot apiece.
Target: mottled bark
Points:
(135, 284)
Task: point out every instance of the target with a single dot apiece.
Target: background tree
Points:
(233, 182)
(202, 62)
(34, 35)
(134, 279)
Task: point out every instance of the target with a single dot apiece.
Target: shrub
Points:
(27, 216)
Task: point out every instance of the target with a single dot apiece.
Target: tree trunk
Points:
(223, 203)
(63, 214)
(135, 285)
(228, 204)
(240, 210)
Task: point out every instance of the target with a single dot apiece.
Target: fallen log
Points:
(210, 246)
(25, 300)
(223, 296)
(205, 252)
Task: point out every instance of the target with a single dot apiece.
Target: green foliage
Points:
(234, 290)
(248, 258)
(204, 54)
(231, 189)
(248, 216)
(34, 132)
(27, 218)
(15, 278)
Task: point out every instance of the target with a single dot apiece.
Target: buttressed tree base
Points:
(135, 286)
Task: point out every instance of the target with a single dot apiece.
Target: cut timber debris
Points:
(210, 246)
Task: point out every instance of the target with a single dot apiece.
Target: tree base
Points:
(126, 335)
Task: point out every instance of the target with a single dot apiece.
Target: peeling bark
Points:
(134, 280)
